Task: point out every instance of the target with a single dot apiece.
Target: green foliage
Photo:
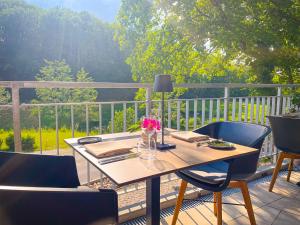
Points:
(10, 142)
(132, 22)
(266, 159)
(134, 127)
(199, 41)
(159, 46)
(27, 143)
(29, 34)
(296, 99)
(261, 34)
(119, 121)
(4, 96)
(1, 142)
(60, 71)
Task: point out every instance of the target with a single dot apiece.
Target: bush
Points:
(27, 143)
(296, 99)
(1, 142)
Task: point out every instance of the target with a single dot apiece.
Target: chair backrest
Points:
(57, 206)
(286, 133)
(18, 169)
(251, 135)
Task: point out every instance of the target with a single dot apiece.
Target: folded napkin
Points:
(111, 148)
(189, 136)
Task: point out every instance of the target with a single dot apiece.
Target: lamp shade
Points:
(163, 83)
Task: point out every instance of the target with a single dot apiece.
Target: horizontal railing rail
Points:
(59, 84)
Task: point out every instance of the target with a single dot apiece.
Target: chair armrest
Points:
(59, 206)
(17, 169)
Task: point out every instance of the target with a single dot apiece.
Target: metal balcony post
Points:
(16, 117)
(226, 102)
(148, 100)
(279, 96)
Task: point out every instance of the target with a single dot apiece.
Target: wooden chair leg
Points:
(247, 200)
(215, 203)
(290, 170)
(179, 201)
(276, 170)
(219, 207)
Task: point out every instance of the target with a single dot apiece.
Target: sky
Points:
(105, 10)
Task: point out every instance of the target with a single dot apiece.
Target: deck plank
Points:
(282, 206)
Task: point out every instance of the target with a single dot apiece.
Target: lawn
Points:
(48, 137)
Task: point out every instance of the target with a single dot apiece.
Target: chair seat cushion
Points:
(213, 173)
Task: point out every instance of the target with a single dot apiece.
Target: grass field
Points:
(48, 137)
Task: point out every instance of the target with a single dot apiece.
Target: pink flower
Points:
(150, 124)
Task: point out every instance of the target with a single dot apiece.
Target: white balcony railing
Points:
(184, 114)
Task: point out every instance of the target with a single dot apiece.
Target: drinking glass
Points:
(147, 150)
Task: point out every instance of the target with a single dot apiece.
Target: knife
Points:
(117, 158)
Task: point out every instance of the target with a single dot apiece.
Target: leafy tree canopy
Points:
(198, 40)
(265, 33)
(29, 34)
(60, 71)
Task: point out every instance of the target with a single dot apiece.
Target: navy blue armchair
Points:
(42, 189)
(286, 138)
(218, 176)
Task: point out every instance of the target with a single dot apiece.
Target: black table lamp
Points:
(163, 84)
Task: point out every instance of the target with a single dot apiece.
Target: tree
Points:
(133, 19)
(29, 34)
(60, 71)
(159, 46)
(264, 33)
(197, 41)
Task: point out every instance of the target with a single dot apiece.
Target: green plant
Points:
(1, 142)
(266, 159)
(135, 127)
(296, 99)
(27, 143)
(9, 140)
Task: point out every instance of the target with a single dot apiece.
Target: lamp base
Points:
(165, 146)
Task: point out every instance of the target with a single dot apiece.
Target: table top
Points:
(133, 170)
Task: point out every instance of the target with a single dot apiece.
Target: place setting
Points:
(202, 140)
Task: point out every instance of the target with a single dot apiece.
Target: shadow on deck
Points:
(280, 207)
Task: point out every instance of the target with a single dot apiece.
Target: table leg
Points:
(153, 201)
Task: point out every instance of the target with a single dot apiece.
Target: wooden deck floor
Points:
(282, 207)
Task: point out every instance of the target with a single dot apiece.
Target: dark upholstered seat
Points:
(41, 189)
(218, 176)
(215, 175)
(286, 136)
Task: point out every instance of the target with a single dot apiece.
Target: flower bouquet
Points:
(150, 126)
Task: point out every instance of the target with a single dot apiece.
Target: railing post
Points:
(16, 117)
(148, 100)
(226, 102)
(279, 95)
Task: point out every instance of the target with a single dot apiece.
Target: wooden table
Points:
(136, 169)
